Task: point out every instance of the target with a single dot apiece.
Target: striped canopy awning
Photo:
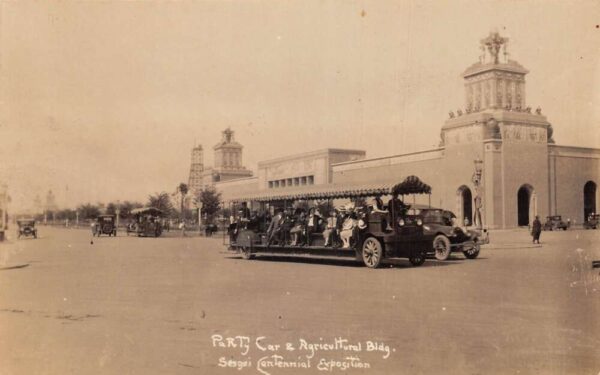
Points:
(411, 185)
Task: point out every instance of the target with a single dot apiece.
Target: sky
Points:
(103, 101)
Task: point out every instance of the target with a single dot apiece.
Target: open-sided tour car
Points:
(105, 224)
(448, 236)
(290, 221)
(146, 222)
(26, 228)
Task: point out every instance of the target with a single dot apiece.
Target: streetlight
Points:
(477, 182)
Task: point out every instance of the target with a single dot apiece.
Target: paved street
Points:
(131, 305)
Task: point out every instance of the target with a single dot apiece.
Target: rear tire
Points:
(472, 253)
(417, 258)
(372, 252)
(246, 254)
(441, 247)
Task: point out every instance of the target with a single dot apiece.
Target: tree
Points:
(162, 202)
(88, 211)
(111, 208)
(126, 208)
(66, 214)
(210, 200)
(183, 190)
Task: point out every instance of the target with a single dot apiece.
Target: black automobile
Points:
(448, 235)
(27, 228)
(592, 221)
(105, 224)
(555, 222)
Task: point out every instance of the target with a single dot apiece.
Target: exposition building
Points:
(497, 136)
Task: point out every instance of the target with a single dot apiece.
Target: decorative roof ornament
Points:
(494, 43)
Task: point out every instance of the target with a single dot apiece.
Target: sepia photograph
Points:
(263, 187)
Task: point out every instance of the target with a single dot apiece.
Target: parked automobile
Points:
(449, 236)
(555, 223)
(592, 221)
(105, 224)
(27, 228)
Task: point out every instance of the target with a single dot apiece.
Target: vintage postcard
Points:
(299, 187)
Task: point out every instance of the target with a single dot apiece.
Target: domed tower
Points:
(196, 169)
(505, 137)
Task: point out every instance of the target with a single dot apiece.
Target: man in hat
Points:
(536, 229)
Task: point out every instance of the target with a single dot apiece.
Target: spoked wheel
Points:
(441, 246)
(417, 258)
(372, 252)
(473, 252)
(246, 254)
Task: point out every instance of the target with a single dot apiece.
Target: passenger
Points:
(378, 205)
(313, 223)
(273, 232)
(396, 208)
(348, 228)
(286, 225)
(298, 228)
(456, 225)
(331, 227)
(232, 230)
(245, 211)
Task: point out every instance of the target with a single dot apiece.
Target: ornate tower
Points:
(196, 169)
(228, 153)
(228, 160)
(494, 82)
(503, 136)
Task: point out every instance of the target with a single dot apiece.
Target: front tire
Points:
(372, 252)
(441, 247)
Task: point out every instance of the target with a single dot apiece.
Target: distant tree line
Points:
(209, 199)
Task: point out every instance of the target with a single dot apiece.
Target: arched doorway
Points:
(589, 199)
(465, 204)
(526, 209)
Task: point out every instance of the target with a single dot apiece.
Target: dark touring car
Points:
(26, 228)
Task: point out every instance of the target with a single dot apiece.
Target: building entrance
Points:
(589, 199)
(465, 204)
(524, 205)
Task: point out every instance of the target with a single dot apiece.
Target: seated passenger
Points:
(313, 223)
(298, 228)
(348, 228)
(331, 227)
(378, 205)
(286, 225)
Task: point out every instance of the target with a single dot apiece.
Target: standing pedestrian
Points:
(182, 227)
(536, 229)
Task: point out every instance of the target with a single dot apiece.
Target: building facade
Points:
(497, 155)
(523, 172)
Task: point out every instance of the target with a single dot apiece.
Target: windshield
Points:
(437, 217)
